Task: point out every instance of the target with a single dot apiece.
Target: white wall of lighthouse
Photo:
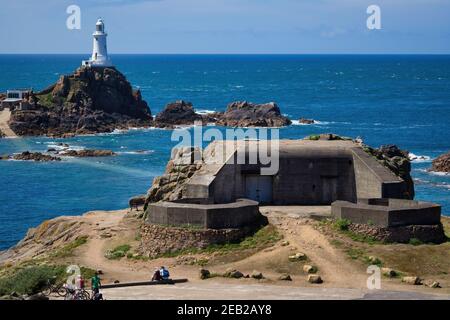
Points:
(99, 56)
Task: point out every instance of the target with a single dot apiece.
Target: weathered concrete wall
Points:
(388, 212)
(374, 180)
(314, 179)
(310, 173)
(208, 216)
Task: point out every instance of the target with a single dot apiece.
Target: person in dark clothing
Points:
(156, 275)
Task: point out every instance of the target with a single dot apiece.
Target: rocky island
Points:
(247, 114)
(91, 100)
(441, 163)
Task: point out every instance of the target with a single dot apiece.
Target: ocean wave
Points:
(205, 111)
(419, 159)
(435, 173)
(59, 147)
(136, 152)
(316, 123)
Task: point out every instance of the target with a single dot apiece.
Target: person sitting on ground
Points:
(95, 284)
(164, 273)
(156, 275)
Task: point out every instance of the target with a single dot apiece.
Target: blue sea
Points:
(385, 99)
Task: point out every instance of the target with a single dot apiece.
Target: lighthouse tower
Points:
(99, 56)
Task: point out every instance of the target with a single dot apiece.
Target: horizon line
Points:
(235, 54)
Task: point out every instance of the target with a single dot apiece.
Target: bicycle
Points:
(51, 287)
(77, 294)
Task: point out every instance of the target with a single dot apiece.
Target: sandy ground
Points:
(5, 115)
(343, 278)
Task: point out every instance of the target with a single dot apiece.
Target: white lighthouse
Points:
(99, 56)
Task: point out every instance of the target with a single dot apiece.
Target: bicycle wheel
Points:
(86, 295)
(47, 291)
(61, 291)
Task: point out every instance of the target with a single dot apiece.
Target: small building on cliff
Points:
(15, 99)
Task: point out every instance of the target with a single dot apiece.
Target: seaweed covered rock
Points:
(91, 100)
(247, 114)
(441, 163)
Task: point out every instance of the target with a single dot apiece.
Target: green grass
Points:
(118, 252)
(342, 224)
(264, 237)
(314, 137)
(415, 242)
(32, 279)
(67, 250)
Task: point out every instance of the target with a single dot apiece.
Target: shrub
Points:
(30, 280)
(118, 252)
(342, 224)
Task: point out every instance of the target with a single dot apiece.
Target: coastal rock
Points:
(314, 278)
(179, 170)
(233, 273)
(412, 280)
(306, 121)
(137, 201)
(432, 284)
(299, 256)
(398, 162)
(91, 100)
(87, 153)
(34, 156)
(204, 274)
(441, 163)
(388, 272)
(176, 114)
(257, 275)
(285, 277)
(309, 269)
(247, 114)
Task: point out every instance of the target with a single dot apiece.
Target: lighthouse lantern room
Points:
(99, 56)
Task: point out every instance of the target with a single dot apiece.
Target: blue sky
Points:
(228, 26)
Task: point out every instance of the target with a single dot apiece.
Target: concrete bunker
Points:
(309, 173)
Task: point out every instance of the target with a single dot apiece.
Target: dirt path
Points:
(5, 115)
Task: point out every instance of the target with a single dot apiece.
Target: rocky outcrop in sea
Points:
(247, 114)
(91, 100)
(177, 113)
(441, 163)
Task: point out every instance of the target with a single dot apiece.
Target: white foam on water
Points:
(418, 159)
(434, 173)
(316, 123)
(136, 152)
(205, 111)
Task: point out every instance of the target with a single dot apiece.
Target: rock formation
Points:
(306, 121)
(247, 114)
(441, 163)
(397, 161)
(87, 153)
(31, 156)
(91, 100)
(179, 169)
(176, 114)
